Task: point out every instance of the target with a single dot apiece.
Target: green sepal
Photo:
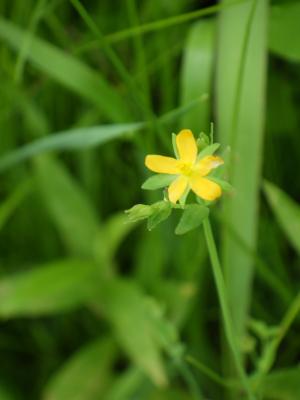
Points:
(192, 217)
(139, 212)
(158, 181)
(224, 185)
(160, 212)
(203, 141)
(208, 150)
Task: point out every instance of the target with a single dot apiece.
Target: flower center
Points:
(186, 169)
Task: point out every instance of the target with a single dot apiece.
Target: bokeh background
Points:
(92, 307)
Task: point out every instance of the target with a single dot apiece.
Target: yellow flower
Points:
(190, 172)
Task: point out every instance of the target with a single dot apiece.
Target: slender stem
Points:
(210, 373)
(221, 290)
(190, 380)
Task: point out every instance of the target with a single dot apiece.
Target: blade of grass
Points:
(82, 138)
(24, 50)
(198, 56)
(163, 23)
(68, 71)
(241, 74)
(287, 213)
(79, 138)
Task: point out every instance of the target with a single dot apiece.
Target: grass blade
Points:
(287, 213)
(198, 56)
(79, 138)
(241, 72)
(68, 71)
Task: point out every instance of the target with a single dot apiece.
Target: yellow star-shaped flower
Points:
(190, 172)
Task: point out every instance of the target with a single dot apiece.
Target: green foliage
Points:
(86, 375)
(284, 28)
(48, 289)
(286, 211)
(68, 206)
(126, 308)
(93, 307)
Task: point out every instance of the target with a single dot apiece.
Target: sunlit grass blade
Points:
(241, 72)
(81, 138)
(68, 71)
(72, 139)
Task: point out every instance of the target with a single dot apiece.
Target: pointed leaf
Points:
(160, 212)
(48, 289)
(192, 217)
(158, 181)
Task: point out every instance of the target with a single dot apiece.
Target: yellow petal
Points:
(177, 188)
(162, 164)
(204, 188)
(186, 146)
(208, 163)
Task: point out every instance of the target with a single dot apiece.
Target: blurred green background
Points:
(94, 308)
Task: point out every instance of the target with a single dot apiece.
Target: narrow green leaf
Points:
(241, 77)
(86, 375)
(158, 181)
(192, 217)
(284, 28)
(160, 212)
(73, 139)
(126, 307)
(68, 71)
(8, 206)
(198, 56)
(70, 209)
(287, 213)
(47, 289)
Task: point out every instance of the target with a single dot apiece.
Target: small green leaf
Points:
(158, 181)
(161, 212)
(224, 185)
(209, 150)
(139, 212)
(192, 217)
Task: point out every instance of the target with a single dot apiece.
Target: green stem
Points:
(221, 290)
(190, 380)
